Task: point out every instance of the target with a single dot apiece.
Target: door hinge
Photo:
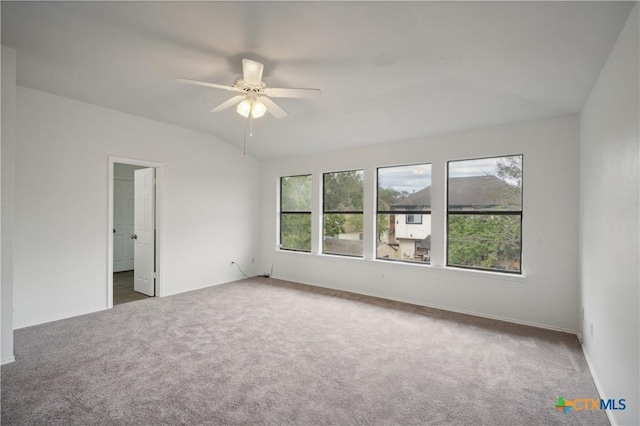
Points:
(155, 275)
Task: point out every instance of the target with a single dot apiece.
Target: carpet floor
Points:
(265, 351)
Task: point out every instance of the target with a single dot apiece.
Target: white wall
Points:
(609, 254)
(8, 169)
(61, 206)
(547, 295)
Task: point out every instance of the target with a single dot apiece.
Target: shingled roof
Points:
(473, 191)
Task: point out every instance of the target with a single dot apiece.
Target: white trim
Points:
(440, 307)
(8, 360)
(66, 316)
(601, 392)
(474, 273)
(159, 222)
(477, 273)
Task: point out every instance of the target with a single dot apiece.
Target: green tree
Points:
(334, 224)
(490, 241)
(295, 219)
(343, 200)
(295, 192)
(510, 170)
(343, 191)
(295, 231)
(484, 241)
(386, 198)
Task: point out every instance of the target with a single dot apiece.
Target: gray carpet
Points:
(263, 351)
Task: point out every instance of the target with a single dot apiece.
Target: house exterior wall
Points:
(413, 231)
(407, 234)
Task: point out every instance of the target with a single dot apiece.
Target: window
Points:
(401, 235)
(342, 212)
(295, 213)
(415, 219)
(484, 214)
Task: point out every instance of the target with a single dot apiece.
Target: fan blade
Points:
(205, 84)
(273, 107)
(278, 92)
(228, 103)
(252, 71)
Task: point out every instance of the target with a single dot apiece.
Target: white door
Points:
(144, 232)
(122, 225)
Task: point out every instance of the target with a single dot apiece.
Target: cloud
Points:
(410, 178)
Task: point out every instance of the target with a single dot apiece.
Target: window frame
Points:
(463, 212)
(296, 212)
(407, 213)
(343, 212)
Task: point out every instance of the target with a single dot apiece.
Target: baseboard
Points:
(441, 307)
(8, 360)
(598, 385)
(18, 327)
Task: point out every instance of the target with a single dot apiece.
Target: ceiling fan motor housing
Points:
(251, 88)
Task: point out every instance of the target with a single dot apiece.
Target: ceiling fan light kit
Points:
(253, 107)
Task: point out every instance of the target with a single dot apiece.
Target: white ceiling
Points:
(388, 71)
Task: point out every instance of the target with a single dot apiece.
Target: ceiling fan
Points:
(254, 98)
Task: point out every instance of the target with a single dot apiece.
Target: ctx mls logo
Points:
(589, 404)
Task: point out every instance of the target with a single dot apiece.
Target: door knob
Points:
(134, 237)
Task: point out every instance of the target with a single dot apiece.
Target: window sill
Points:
(506, 276)
(473, 273)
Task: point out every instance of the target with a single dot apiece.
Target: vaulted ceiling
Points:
(388, 71)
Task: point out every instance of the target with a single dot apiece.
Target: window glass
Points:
(342, 212)
(295, 213)
(484, 213)
(401, 235)
(486, 185)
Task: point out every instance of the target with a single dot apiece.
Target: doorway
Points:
(134, 231)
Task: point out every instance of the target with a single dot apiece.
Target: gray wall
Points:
(8, 175)
(609, 217)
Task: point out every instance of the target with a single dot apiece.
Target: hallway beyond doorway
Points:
(123, 288)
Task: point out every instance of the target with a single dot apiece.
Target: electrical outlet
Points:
(253, 260)
(591, 329)
(382, 276)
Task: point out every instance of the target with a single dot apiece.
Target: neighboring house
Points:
(412, 232)
(412, 229)
(387, 251)
(481, 192)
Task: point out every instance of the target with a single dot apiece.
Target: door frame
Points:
(159, 222)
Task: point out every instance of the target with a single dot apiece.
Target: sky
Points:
(413, 178)
(405, 178)
(481, 167)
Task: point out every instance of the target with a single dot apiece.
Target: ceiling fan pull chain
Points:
(244, 139)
